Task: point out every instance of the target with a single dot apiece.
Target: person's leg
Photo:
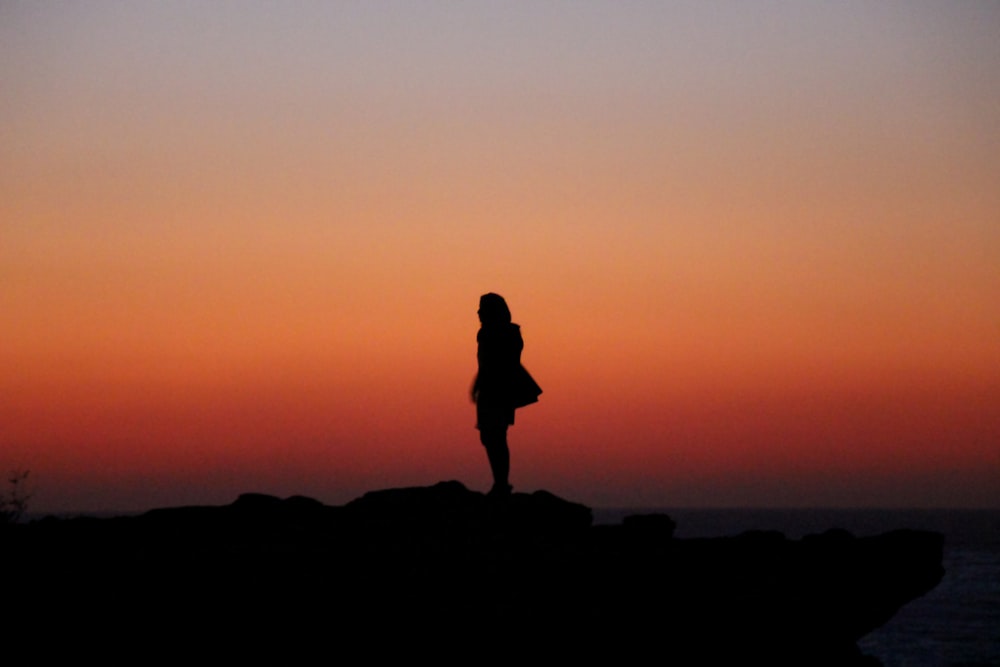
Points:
(495, 442)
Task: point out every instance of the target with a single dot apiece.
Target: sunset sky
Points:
(754, 248)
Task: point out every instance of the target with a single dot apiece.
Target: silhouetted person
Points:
(501, 385)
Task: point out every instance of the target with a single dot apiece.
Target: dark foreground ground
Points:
(449, 574)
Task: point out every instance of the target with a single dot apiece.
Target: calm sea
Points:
(955, 625)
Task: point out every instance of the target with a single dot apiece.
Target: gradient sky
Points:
(754, 248)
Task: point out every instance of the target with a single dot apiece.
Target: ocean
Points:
(955, 625)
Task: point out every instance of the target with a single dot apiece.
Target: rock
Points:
(449, 506)
(432, 568)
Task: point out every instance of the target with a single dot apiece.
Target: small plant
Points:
(14, 502)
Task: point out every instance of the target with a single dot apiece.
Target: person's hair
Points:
(493, 309)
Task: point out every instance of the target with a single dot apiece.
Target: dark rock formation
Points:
(446, 572)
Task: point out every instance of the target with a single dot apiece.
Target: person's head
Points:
(493, 309)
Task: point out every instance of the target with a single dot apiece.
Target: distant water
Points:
(955, 625)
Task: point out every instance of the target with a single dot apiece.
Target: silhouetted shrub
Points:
(14, 501)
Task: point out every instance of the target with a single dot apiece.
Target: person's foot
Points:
(501, 490)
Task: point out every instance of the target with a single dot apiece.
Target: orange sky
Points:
(754, 252)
